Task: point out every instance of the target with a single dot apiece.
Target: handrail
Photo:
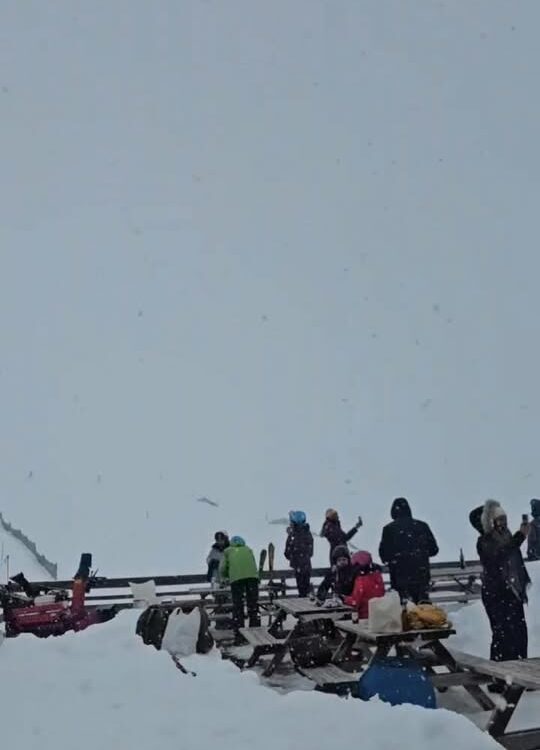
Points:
(438, 570)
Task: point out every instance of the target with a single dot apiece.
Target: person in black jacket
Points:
(341, 576)
(406, 546)
(333, 532)
(299, 550)
(504, 581)
(215, 556)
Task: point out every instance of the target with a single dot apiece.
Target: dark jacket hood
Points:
(400, 509)
(475, 517)
(340, 551)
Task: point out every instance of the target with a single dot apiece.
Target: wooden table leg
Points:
(343, 651)
(254, 658)
(382, 651)
(279, 655)
(500, 718)
(447, 660)
(275, 627)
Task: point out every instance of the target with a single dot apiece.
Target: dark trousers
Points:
(247, 589)
(303, 581)
(506, 616)
(410, 589)
(411, 583)
(414, 592)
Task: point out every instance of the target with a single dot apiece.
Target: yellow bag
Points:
(426, 617)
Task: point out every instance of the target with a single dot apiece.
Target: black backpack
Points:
(205, 641)
(310, 644)
(151, 625)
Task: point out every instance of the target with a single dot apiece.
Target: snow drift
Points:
(104, 688)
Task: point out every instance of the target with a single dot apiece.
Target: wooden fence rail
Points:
(451, 582)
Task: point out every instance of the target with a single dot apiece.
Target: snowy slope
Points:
(116, 692)
(14, 558)
(275, 254)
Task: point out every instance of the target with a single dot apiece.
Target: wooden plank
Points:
(329, 674)
(259, 637)
(514, 672)
(298, 607)
(222, 635)
(457, 679)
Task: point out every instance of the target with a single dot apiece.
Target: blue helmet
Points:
(298, 517)
(237, 541)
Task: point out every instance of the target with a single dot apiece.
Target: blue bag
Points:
(396, 681)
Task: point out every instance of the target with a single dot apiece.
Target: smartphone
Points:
(525, 518)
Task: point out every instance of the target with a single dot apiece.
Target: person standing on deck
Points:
(333, 532)
(240, 569)
(505, 581)
(406, 546)
(299, 550)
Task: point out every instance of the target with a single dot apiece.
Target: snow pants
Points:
(246, 589)
(303, 580)
(506, 616)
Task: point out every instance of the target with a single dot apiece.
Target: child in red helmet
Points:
(368, 583)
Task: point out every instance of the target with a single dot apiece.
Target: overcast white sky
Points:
(279, 254)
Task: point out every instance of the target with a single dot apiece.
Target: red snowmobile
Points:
(43, 612)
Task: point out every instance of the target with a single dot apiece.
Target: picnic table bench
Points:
(273, 641)
(517, 677)
(330, 677)
(264, 642)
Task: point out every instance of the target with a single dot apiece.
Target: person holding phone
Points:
(333, 532)
(504, 581)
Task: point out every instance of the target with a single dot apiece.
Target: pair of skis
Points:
(267, 554)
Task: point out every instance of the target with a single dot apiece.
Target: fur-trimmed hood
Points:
(492, 509)
(475, 518)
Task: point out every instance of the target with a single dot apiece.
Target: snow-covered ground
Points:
(276, 254)
(104, 688)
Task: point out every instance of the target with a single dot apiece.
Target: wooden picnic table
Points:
(383, 642)
(300, 607)
(424, 646)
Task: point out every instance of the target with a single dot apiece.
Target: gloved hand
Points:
(359, 523)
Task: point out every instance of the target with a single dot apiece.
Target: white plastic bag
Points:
(181, 633)
(385, 614)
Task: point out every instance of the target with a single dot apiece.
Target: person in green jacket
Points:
(240, 569)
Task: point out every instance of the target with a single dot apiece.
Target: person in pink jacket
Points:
(368, 583)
